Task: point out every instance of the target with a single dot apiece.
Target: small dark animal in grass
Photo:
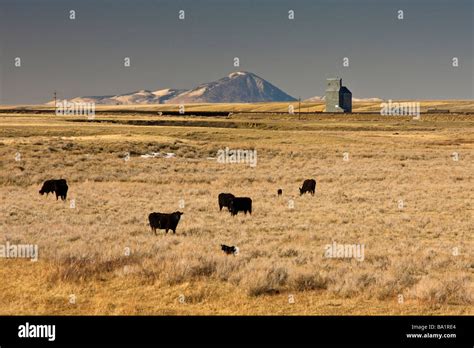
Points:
(229, 250)
(59, 187)
(224, 200)
(240, 204)
(309, 185)
(164, 221)
(280, 192)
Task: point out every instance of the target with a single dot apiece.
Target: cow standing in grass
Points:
(224, 200)
(240, 204)
(164, 221)
(309, 185)
(59, 187)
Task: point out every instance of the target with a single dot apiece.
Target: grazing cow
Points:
(229, 249)
(280, 192)
(57, 186)
(224, 200)
(309, 185)
(240, 204)
(164, 221)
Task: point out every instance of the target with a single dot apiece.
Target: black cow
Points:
(229, 249)
(164, 221)
(309, 185)
(279, 192)
(59, 187)
(224, 200)
(240, 204)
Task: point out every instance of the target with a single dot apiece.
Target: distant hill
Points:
(238, 87)
(322, 98)
(140, 97)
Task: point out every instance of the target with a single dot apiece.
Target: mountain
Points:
(140, 97)
(238, 87)
(315, 99)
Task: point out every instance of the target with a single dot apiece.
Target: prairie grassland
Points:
(316, 106)
(418, 254)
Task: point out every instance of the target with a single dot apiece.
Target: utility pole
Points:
(55, 99)
(299, 107)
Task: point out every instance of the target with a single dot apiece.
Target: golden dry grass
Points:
(408, 251)
(319, 106)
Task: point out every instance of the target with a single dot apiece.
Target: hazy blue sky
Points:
(389, 58)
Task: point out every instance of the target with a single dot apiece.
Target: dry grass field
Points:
(100, 257)
(317, 106)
